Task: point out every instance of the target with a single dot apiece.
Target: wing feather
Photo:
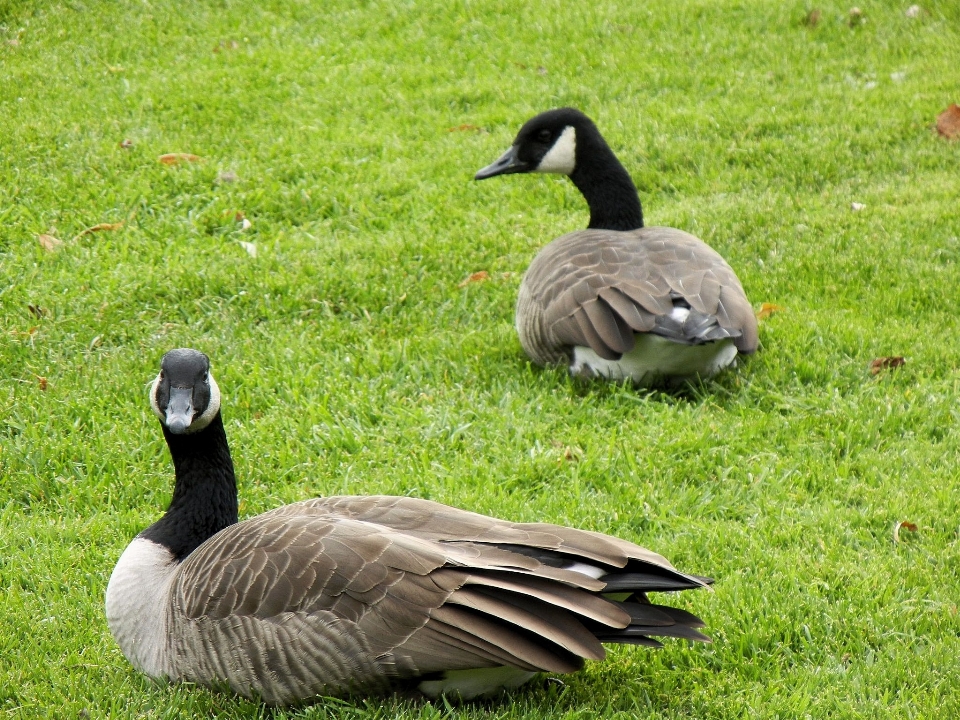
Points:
(594, 288)
(343, 593)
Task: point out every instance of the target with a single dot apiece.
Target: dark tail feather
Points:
(659, 620)
(652, 582)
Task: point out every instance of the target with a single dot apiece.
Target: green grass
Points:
(351, 361)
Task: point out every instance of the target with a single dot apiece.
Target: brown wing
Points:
(353, 592)
(597, 288)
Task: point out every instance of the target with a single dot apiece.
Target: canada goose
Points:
(362, 593)
(620, 300)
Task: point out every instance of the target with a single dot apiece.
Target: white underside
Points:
(469, 684)
(656, 359)
(138, 602)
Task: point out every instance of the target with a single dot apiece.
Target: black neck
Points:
(606, 186)
(205, 494)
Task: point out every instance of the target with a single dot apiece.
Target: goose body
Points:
(619, 300)
(364, 593)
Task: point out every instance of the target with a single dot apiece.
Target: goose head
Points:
(547, 143)
(567, 142)
(184, 395)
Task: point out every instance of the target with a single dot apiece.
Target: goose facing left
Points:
(366, 593)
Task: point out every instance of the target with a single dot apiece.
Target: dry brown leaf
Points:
(465, 126)
(38, 311)
(768, 309)
(42, 381)
(886, 363)
(99, 227)
(126, 144)
(905, 525)
(812, 18)
(948, 122)
(178, 157)
(570, 453)
(49, 242)
(478, 276)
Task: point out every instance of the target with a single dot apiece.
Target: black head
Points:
(546, 143)
(185, 396)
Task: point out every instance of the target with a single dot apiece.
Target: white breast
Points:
(654, 358)
(138, 605)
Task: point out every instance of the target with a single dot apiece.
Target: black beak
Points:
(180, 410)
(506, 164)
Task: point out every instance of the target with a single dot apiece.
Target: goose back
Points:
(598, 289)
(356, 593)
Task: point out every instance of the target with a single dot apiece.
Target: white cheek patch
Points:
(213, 407)
(153, 400)
(201, 422)
(562, 157)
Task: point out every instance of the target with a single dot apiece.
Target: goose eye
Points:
(544, 136)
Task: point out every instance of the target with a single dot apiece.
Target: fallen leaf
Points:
(99, 227)
(857, 207)
(913, 11)
(178, 157)
(37, 310)
(812, 18)
(855, 17)
(478, 276)
(227, 177)
(49, 242)
(13, 42)
(238, 216)
(461, 128)
(570, 453)
(886, 363)
(126, 144)
(906, 525)
(768, 309)
(250, 247)
(948, 122)
(43, 382)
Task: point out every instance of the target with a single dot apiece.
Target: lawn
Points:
(317, 250)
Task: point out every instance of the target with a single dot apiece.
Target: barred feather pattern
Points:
(346, 594)
(600, 288)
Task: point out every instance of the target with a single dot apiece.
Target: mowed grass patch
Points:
(352, 360)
